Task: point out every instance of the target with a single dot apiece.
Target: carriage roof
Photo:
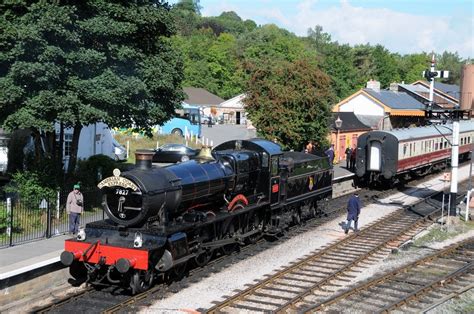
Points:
(429, 131)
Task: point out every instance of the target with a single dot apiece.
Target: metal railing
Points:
(24, 220)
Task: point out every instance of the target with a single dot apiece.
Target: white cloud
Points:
(397, 31)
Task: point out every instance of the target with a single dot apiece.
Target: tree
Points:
(318, 38)
(290, 101)
(83, 62)
(189, 5)
(386, 70)
(410, 67)
(451, 62)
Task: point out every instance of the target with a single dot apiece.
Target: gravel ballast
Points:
(200, 295)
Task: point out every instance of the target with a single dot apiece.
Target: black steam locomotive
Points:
(162, 218)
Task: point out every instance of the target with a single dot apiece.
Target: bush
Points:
(91, 171)
(30, 188)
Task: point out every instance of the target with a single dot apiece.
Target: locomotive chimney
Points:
(467, 87)
(143, 158)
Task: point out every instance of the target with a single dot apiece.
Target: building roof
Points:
(449, 90)
(395, 100)
(234, 102)
(200, 96)
(349, 122)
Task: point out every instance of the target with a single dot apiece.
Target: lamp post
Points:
(338, 124)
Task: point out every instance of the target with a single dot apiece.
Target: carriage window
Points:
(405, 150)
(462, 141)
(445, 144)
(436, 146)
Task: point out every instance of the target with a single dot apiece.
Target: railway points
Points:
(411, 288)
(322, 271)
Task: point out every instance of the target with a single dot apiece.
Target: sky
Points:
(403, 26)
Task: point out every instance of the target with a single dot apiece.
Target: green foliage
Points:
(89, 172)
(290, 101)
(88, 61)
(451, 62)
(411, 66)
(31, 188)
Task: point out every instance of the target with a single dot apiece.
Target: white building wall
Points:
(362, 105)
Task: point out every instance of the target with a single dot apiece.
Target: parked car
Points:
(170, 153)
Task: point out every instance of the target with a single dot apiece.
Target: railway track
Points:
(329, 268)
(411, 288)
(120, 300)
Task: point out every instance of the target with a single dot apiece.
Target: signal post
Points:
(439, 115)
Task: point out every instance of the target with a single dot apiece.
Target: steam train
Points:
(388, 157)
(161, 218)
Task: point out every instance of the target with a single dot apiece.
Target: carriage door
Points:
(375, 156)
(274, 181)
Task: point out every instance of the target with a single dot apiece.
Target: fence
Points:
(24, 220)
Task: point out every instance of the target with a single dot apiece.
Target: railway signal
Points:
(437, 115)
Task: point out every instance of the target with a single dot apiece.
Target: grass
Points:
(137, 141)
(441, 233)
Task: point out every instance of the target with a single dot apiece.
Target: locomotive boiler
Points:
(161, 218)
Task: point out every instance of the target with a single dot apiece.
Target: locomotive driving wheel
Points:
(254, 224)
(229, 248)
(203, 258)
(141, 281)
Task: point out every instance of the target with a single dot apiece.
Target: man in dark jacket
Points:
(353, 212)
(330, 153)
(353, 159)
(348, 157)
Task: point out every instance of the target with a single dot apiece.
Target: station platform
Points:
(26, 257)
(25, 261)
(341, 173)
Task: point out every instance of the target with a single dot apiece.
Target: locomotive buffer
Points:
(439, 115)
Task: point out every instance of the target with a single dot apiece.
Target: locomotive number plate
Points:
(121, 192)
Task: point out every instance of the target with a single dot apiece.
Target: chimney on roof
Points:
(373, 84)
(394, 87)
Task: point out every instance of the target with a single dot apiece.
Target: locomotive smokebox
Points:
(143, 158)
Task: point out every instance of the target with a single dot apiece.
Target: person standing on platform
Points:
(330, 153)
(209, 121)
(348, 157)
(75, 207)
(353, 158)
(353, 212)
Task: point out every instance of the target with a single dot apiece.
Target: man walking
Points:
(353, 212)
(75, 207)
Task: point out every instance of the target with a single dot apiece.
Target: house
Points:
(344, 136)
(203, 99)
(383, 109)
(233, 110)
